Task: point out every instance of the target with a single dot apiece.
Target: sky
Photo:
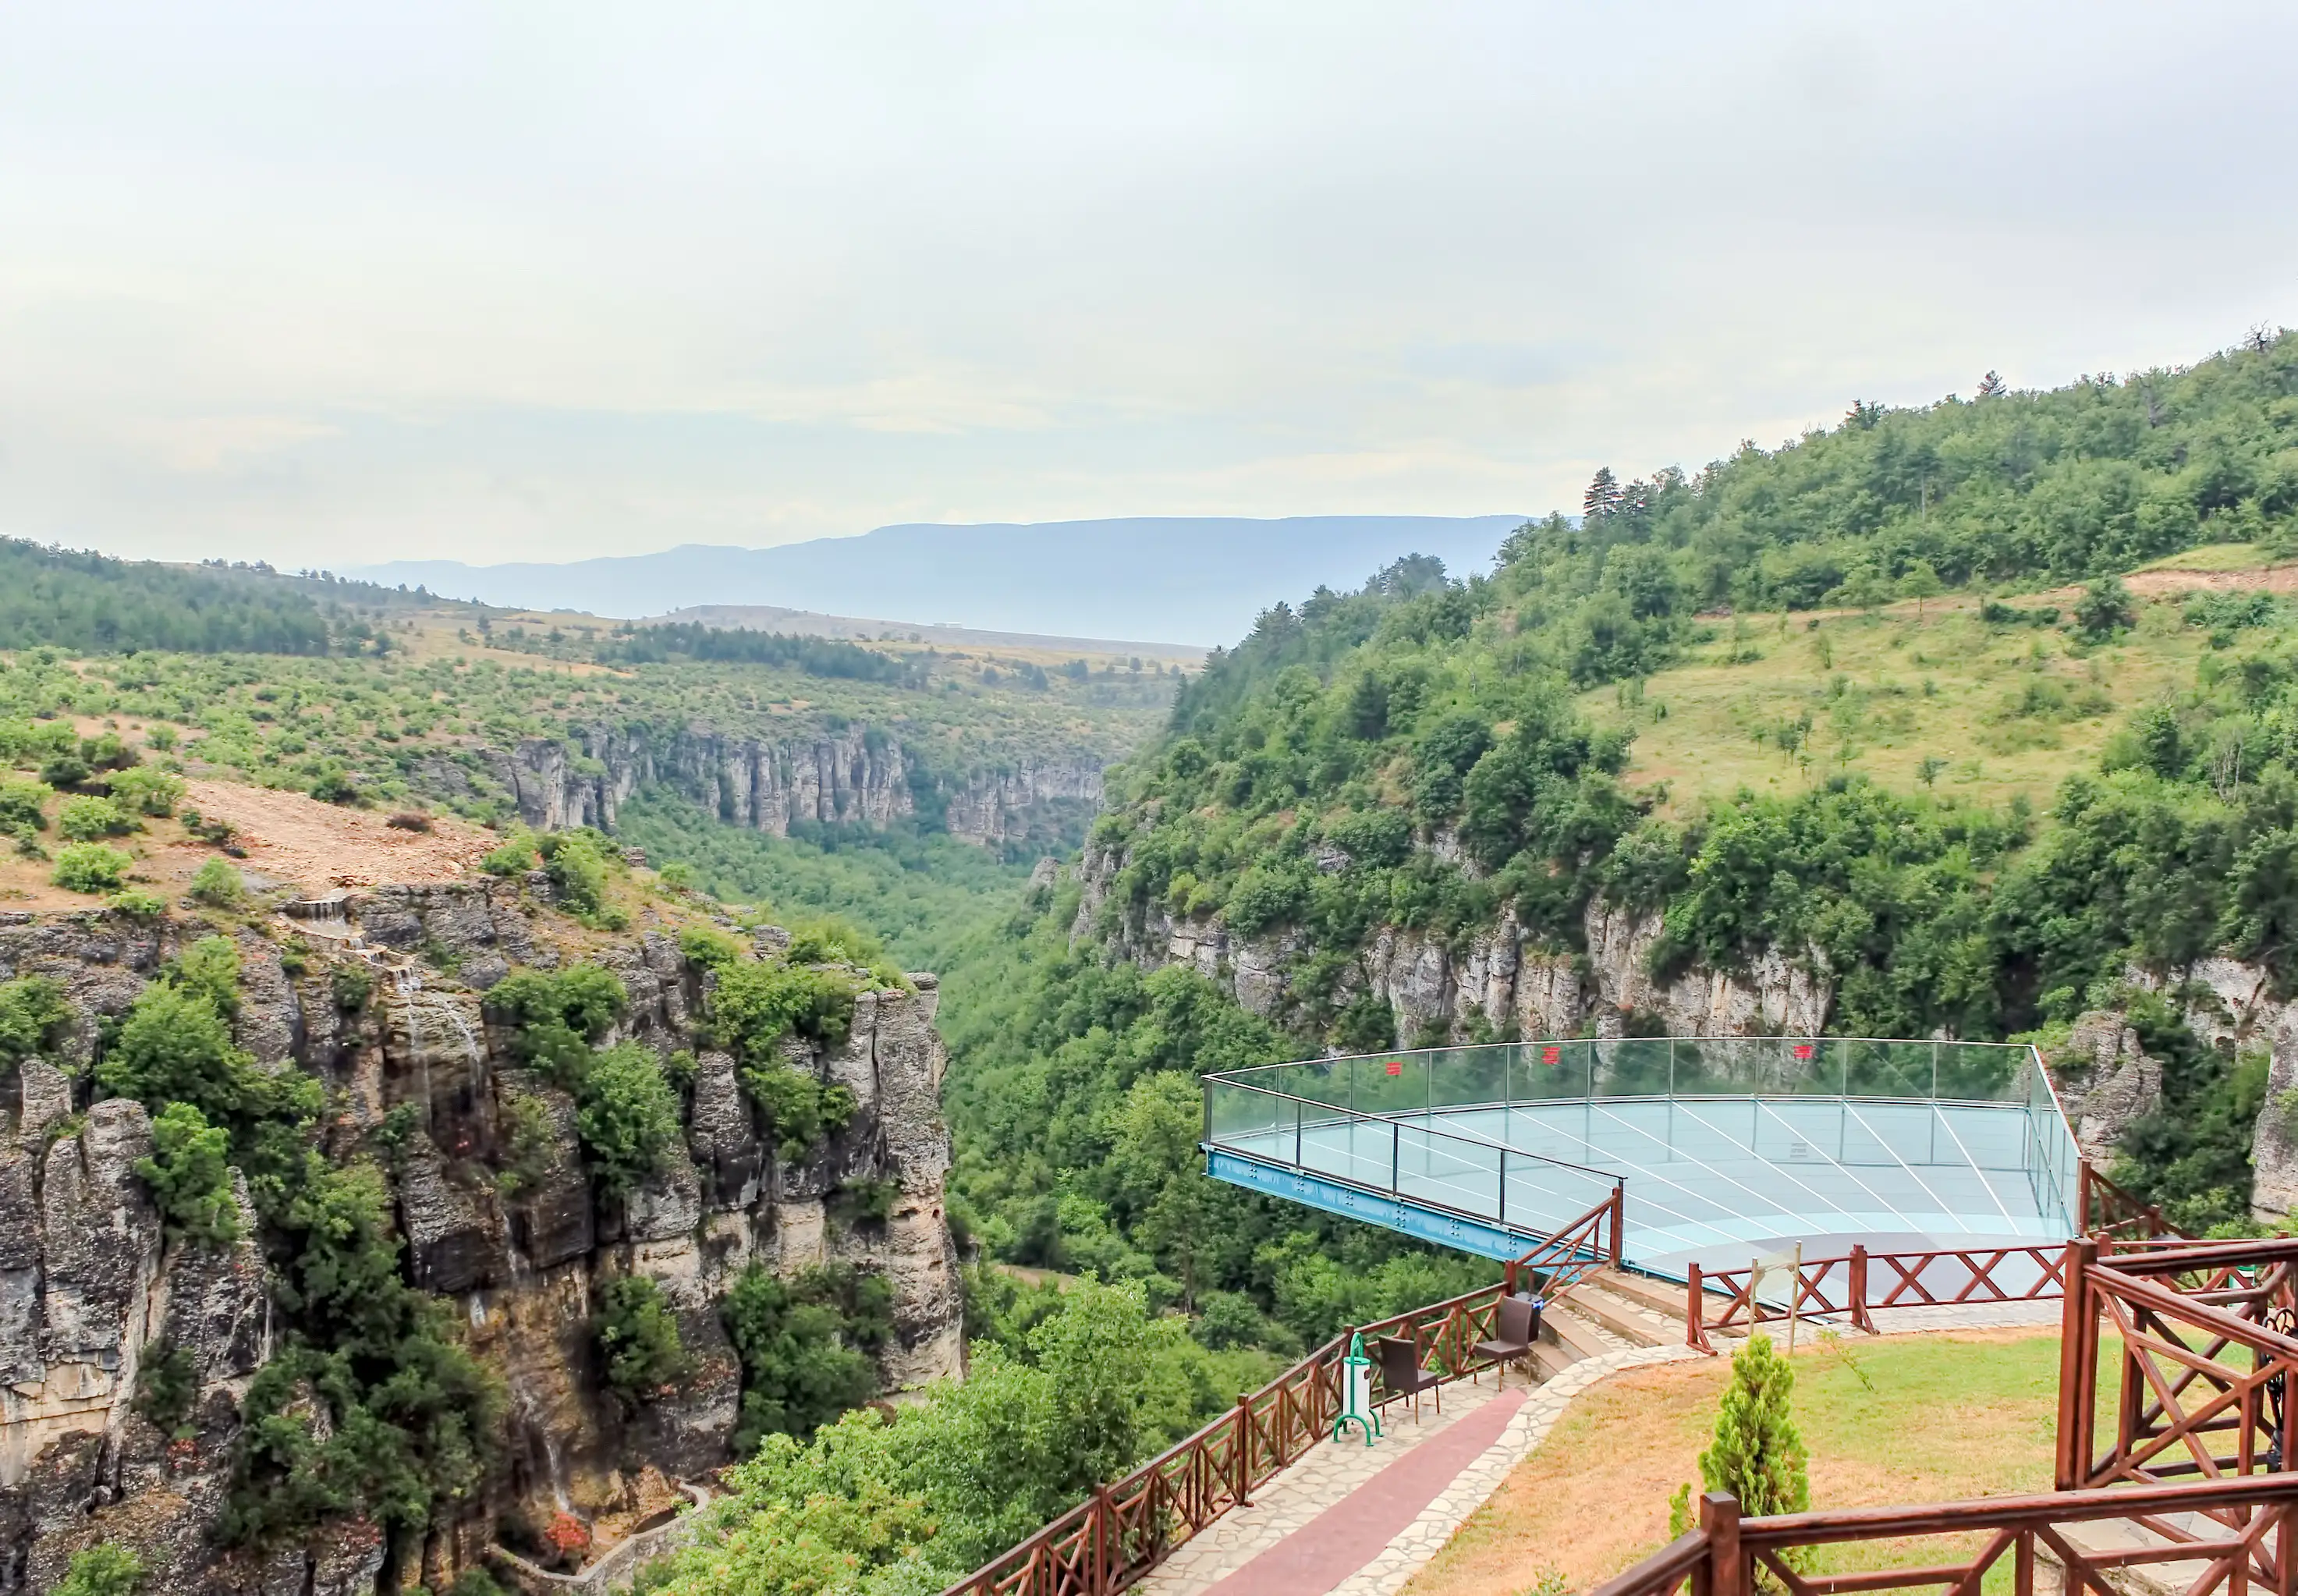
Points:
(335, 284)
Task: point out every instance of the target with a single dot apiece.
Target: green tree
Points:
(805, 1345)
(190, 1175)
(637, 1336)
(1758, 1453)
(34, 1019)
(2104, 607)
(1920, 581)
(627, 1115)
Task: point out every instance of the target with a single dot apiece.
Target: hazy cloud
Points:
(327, 284)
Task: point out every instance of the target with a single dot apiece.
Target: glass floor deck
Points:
(1712, 1176)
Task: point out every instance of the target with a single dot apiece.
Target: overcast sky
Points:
(331, 285)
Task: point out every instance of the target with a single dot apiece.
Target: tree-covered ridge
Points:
(88, 603)
(815, 656)
(2013, 490)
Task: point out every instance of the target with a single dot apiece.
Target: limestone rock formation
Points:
(2104, 1081)
(861, 775)
(490, 1194)
(1497, 982)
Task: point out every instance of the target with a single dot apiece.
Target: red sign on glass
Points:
(1803, 1050)
(1396, 1066)
(1551, 1056)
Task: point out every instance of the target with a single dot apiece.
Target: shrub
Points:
(800, 1110)
(65, 770)
(2104, 608)
(23, 804)
(408, 820)
(167, 1384)
(34, 1018)
(627, 1115)
(334, 785)
(107, 1569)
(91, 867)
(87, 819)
(138, 903)
(709, 946)
(146, 790)
(516, 857)
(351, 986)
(576, 864)
(190, 1176)
(638, 1337)
(218, 886)
(831, 940)
(755, 1005)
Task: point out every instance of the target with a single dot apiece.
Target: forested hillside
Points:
(1381, 797)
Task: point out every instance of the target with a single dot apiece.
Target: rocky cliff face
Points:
(859, 776)
(1498, 981)
(88, 1280)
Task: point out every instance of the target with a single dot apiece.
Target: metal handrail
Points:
(1399, 1118)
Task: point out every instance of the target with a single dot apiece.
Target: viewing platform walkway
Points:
(1720, 1147)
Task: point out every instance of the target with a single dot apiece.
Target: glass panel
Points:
(1888, 1069)
(1467, 1076)
(1432, 1168)
(1981, 1072)
(1632, 1067)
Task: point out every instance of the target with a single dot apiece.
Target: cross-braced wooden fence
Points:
(1727, 1554)
(2203, 1365)
(1855, 1284)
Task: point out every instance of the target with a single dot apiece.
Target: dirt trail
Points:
(300, 839)
(2273, 579)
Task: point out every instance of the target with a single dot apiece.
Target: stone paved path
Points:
(1356, 1521)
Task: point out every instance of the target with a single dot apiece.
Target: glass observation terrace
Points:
(1723, 1147)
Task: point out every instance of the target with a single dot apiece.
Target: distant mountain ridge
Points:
(807, 623)
(1177, 579)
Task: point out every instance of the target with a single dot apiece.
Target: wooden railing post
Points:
(2082, 1196)
(1619, 1212)
(1719, 1517)
(1857, 1289)
(1695, 1311)
(2077, 1349)
(1508, 1278)
(1105, 1555)
(1243, 1449)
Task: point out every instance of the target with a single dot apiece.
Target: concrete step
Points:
(1551, 1358)
(1631, 1321)
(1663, 1297)
(1579, 1338)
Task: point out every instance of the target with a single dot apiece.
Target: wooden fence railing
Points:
(1722, 1557)
(2207, 1342)
(1586, 1245)
(2109, 1211)
(1123, 1531)
(1857, 1284)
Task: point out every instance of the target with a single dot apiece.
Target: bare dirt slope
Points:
(300, 839)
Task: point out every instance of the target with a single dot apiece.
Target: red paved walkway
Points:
(1358, 1528)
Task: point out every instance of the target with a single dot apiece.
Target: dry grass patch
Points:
(2005, 711)
(1950, 1416)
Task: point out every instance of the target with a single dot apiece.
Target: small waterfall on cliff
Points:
(529, 1413)
(408, 985)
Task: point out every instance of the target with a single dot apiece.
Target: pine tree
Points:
(1758, 1455)
(1991, 384)
(1603, 495)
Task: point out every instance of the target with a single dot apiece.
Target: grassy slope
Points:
(2010, 709)
(1950, 1416)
